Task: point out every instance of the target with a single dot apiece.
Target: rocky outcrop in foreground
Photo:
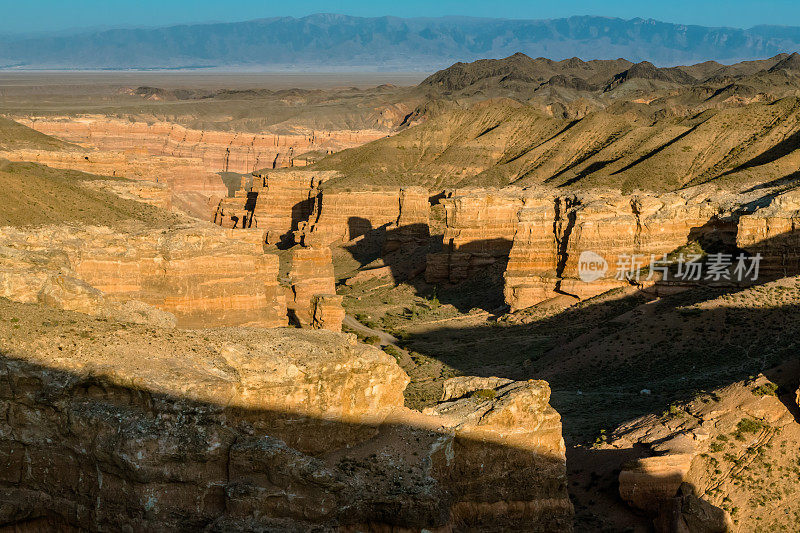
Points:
(119, 429)
(709, 462)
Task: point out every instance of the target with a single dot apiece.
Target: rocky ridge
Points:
(320, 440)
(539, 232)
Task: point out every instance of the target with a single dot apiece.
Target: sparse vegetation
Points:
(767, 389)
(484, 394)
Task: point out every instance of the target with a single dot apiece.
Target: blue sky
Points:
(23, 16)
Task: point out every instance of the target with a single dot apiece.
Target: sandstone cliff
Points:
(553, 232)
(774, 232)
(191, 186)
(256, 430)
(276, 202)
(311, 277)
(187, 161)
(215, 150)
(479, 229)
(542, 234)
(344, 215)
(199, 274)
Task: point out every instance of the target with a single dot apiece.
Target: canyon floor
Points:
(155, 234)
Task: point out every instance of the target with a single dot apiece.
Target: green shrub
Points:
(393, 351)
(747, 425)
(767, 389)
(484, 394)
(716, 447)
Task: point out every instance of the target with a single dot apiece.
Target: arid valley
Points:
(514, 294)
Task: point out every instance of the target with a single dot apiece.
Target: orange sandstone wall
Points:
(187, 160)
(276, 202)
(311, 276)
(216, 150)
(479, 228)
(343, 215)
(204, 276)
(553, 232)
(774, 232)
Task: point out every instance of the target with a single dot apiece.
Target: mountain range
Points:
(331, 42)
(576, 124)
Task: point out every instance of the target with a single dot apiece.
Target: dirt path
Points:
(355, 325)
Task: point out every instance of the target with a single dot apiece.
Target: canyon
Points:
(538, 234)
(188, 161)
(211, 151)
(452, 307)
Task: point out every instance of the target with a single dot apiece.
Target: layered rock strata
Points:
(188, 161)
(257, 430)
(313, 287)
(343, 215)
(191, 185)
(216, 151)
(773, 232)
(515, 417)
(479, 229)
(155, 194)
(327, 312)
(276, 202)
(198, 274)
(621, 231)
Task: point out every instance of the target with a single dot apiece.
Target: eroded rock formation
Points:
(514, 416)
(272, 429)
(344, 215)
(774, 232)
(479, 229)
(327, 312)
(276, 202)
(215, 150)
(201, 275)
(621, 230)
(312, 277)
(542, 235)
(192, 188)
(188, 161)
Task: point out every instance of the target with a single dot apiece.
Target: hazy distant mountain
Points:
(337, 41)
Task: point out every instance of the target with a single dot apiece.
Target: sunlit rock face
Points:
(200, 275)
(327, 312)
(311, 276)
(215, 151)
(281, 429)
(189, 161)
(525, 483)
(274, 202)
(555, 233)
(479, 228)
(542, 235)
(345, 215)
